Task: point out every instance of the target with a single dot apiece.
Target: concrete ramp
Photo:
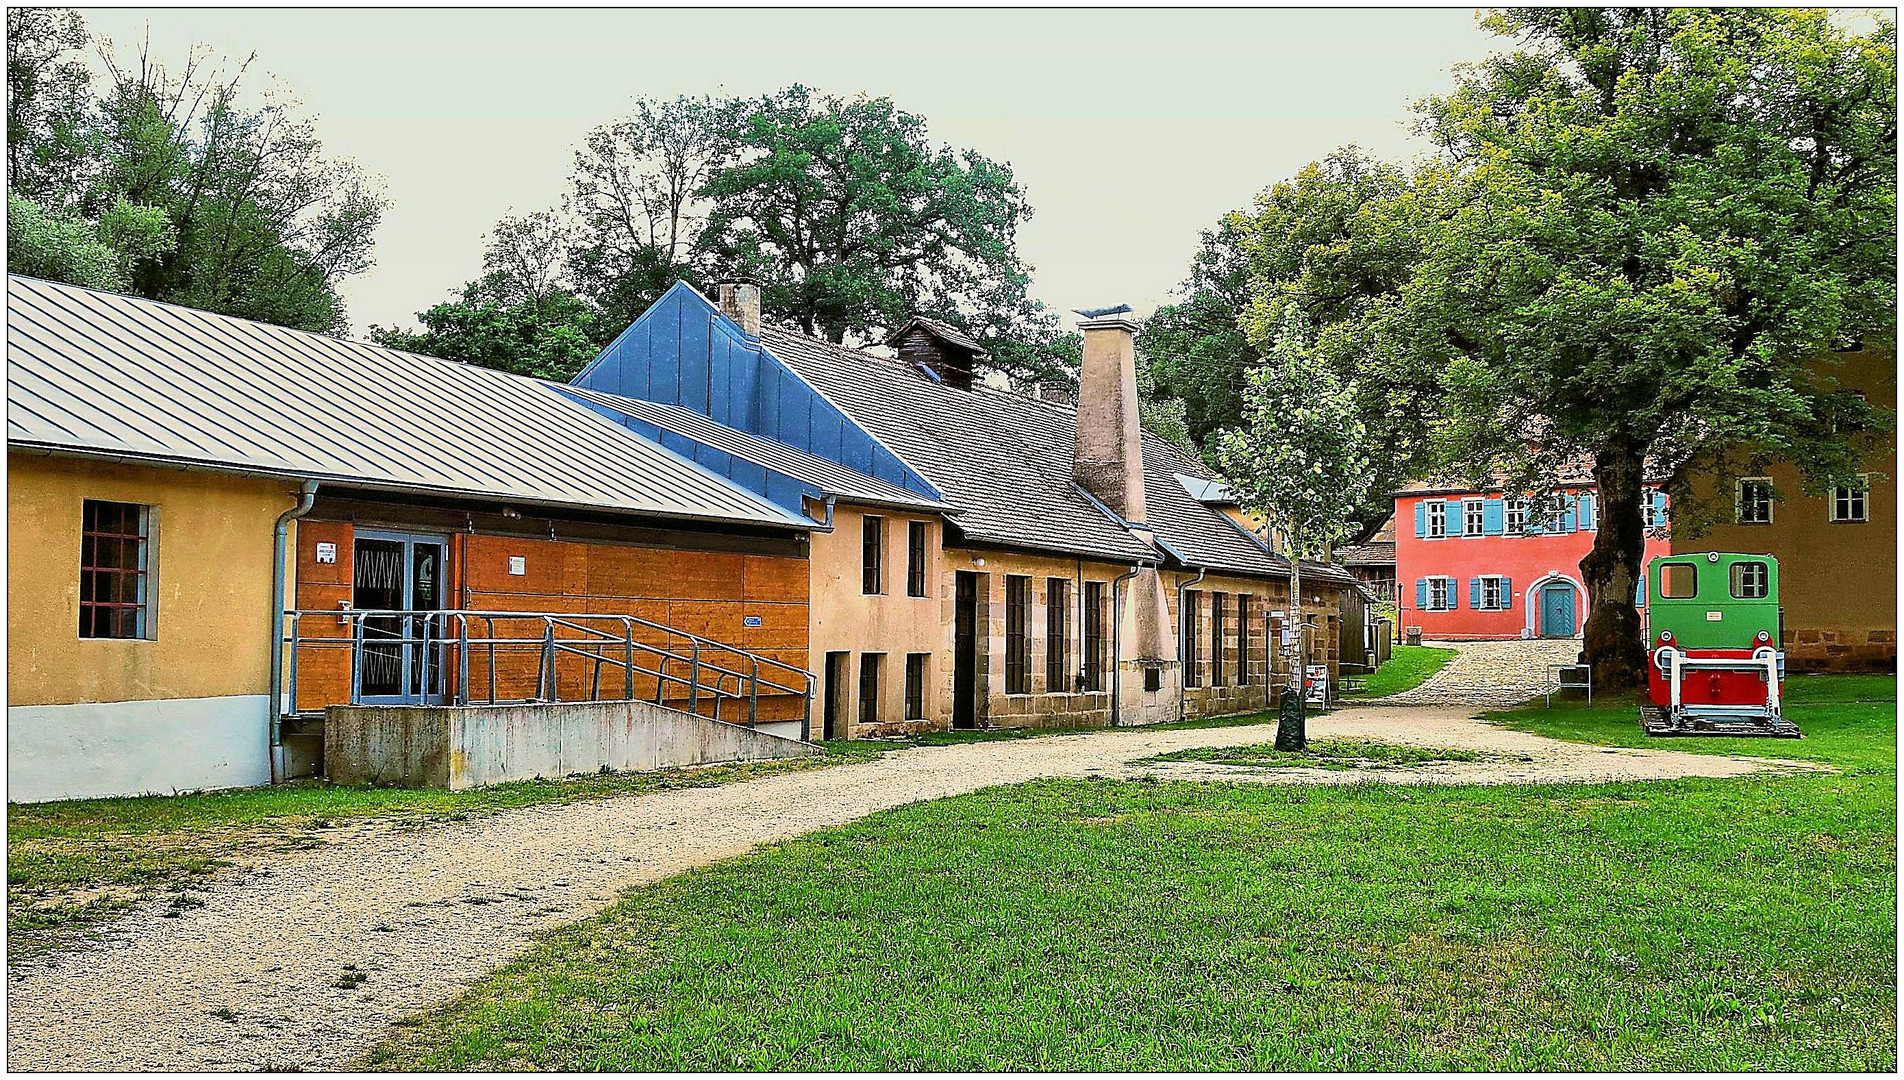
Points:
(466, 746)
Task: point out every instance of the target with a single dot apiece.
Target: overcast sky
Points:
(1129, 130)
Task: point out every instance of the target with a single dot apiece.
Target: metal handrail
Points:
(703, 676)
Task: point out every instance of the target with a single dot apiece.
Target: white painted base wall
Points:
(136, 747)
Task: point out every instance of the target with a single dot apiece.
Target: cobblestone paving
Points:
(1489, 673)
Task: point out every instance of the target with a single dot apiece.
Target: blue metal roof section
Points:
(683, 351)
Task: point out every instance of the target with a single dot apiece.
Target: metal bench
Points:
(1561, 677)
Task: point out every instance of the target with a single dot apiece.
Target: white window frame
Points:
(1849, 497)
(1738, 501)
(1447, 593)
(1437, 520)
(1514, 516)
(1499, 585)
(1473, 517)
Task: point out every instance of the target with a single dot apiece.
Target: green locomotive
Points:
(1714, 666)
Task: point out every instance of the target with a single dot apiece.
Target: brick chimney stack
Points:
(1110, 456)
(1109, 463)
(739, 300)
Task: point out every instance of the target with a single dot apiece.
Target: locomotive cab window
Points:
(1751, 581)
(1679, 581)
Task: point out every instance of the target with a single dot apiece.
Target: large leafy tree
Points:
(847, 214)
(187, 194)
(1647, 233)
(852, 220)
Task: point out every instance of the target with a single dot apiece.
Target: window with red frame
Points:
(114, 541)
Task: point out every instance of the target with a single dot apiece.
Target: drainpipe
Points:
(1117, 642)
(306, 496)
(1183, 646)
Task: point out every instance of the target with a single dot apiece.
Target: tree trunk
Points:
(1292, 734)
(1611, 571)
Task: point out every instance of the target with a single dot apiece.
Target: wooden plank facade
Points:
(752, 596)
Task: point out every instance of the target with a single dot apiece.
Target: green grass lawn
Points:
(1332, 754)
(1744, 923)
(1408, 667)
(73, 864)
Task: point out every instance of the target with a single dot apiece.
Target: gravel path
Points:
(1492, 674)
(267, 973)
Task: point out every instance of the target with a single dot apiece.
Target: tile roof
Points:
(829, 476)
(1005, 461)
(99, 373)
(1376, 554)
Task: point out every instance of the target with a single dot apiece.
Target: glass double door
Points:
(396, 573)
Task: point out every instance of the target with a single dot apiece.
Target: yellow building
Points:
(1056, 565)
(1836, 551)
(154, 453)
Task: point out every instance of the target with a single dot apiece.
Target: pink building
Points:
(1483, 564)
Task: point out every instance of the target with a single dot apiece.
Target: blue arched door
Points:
(1557, 616)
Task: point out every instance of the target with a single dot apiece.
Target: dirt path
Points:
(306, 964)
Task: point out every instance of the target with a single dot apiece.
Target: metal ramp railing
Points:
(425, 657)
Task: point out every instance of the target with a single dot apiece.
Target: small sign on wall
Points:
(518, 565)
(326, 552)
(750, 620)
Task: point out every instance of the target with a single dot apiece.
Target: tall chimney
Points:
(1110, 453)
(739, 300)
(1109, 463)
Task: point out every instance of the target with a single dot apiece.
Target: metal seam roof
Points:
(102, 373)
(829, 476)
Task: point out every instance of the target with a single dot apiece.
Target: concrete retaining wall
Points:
(136, 747)
(460, 747)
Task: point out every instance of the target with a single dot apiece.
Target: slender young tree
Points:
(1302, 460)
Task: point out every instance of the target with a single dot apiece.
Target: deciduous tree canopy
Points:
(167, 186)
(1644, 236)
(842, 208)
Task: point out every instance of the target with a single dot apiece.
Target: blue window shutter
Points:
(1474, 593)
(1507, 594)
(1659, 507)
(1493, 517)
(1568, 519)
(1421, 594)
(1421, 520)
(1586, 510)
(1454, 594)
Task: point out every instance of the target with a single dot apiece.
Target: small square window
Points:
(1849, 503)
(1438, 593)
(1751, 581)
(1679, 581)
(1755, 501)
